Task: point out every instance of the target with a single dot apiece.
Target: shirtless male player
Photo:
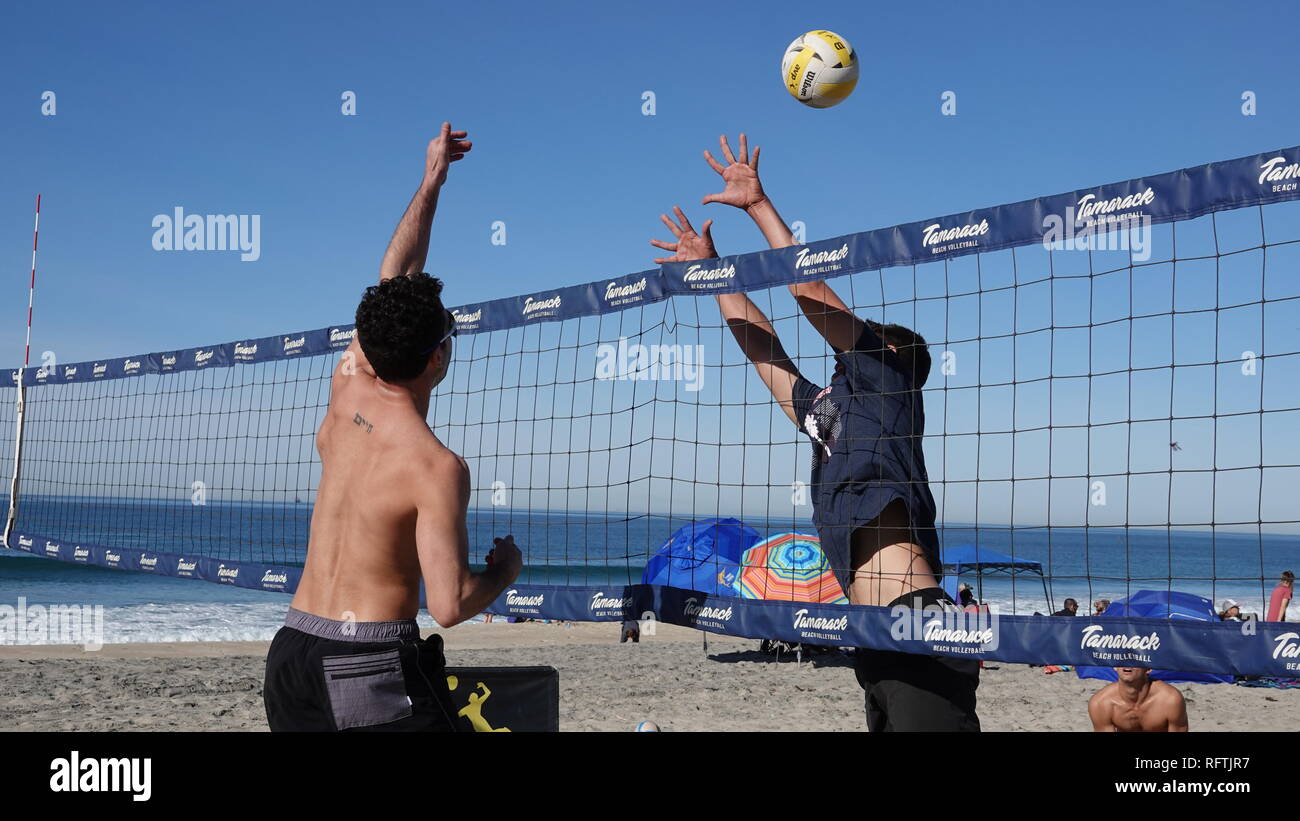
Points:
(871, 497)
(1136, 704)
(390, 511)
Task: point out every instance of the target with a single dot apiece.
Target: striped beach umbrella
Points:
(788, 567)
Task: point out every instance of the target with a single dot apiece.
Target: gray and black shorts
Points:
(324, 675)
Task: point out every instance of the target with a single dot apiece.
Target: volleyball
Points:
(820, 69)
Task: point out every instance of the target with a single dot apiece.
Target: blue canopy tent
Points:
(981, 561)
(1160, 604)
(703, 556)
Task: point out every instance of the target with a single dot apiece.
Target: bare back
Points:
(378, 457)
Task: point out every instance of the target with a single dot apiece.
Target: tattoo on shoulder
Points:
(360, 420)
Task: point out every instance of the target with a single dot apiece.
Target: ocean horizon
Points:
(578, 548)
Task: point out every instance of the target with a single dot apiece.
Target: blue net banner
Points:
(1259, 649)
(251, 575)
(1192, 192)
(251, 351)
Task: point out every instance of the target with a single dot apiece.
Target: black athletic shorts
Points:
(324, 675)
(906, 692)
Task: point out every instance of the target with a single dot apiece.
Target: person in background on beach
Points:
(1071, 608)
(1281, 598)
(390, 513)
(1229, 610)
(1136, 704)
(1099, 606)
(631, 630)
(965, 597)
(872, 502)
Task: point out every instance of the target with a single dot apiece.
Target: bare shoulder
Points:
(449, 464)
(1166, 692)
(1102, 696)
(1101, 708)
(437, 466)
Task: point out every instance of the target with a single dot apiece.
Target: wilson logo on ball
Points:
(820, 69)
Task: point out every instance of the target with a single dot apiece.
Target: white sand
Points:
(604, 685)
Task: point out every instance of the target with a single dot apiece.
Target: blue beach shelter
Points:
(703, 556)
(982, 561)
(1161, 604)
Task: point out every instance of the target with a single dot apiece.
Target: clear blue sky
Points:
(235, 108)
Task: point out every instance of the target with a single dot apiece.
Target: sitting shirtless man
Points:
(390, 511)
(1136, 704)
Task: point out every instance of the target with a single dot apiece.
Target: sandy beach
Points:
(604, 686)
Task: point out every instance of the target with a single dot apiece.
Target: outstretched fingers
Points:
(681, 217)
(672, 226)
(714, 164)
(667, 246)
(726, 149)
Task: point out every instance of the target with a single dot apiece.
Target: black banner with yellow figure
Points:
(505, 699)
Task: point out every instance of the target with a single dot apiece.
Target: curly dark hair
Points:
(911, 349)
(399, 322)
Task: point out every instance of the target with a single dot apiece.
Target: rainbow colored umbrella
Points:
(788, 567)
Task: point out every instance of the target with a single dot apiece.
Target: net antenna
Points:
(12, 514)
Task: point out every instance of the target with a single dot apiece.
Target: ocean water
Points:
(574, 548)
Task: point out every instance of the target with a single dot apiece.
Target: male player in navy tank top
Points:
(871, 496)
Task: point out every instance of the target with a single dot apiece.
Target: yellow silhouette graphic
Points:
(473, 710)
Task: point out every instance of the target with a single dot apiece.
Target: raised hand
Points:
(742, 188)
(444, 150)
(689, 245)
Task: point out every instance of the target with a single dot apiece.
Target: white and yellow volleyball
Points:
(820, 69)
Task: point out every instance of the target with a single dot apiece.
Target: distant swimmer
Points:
(390, 513)
(1136, 704)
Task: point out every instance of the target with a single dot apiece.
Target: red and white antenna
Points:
(31, 290)
(11, 516)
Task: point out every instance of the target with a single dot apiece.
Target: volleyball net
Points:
(1113, 408)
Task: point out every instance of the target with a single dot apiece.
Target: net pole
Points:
(12, 515)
